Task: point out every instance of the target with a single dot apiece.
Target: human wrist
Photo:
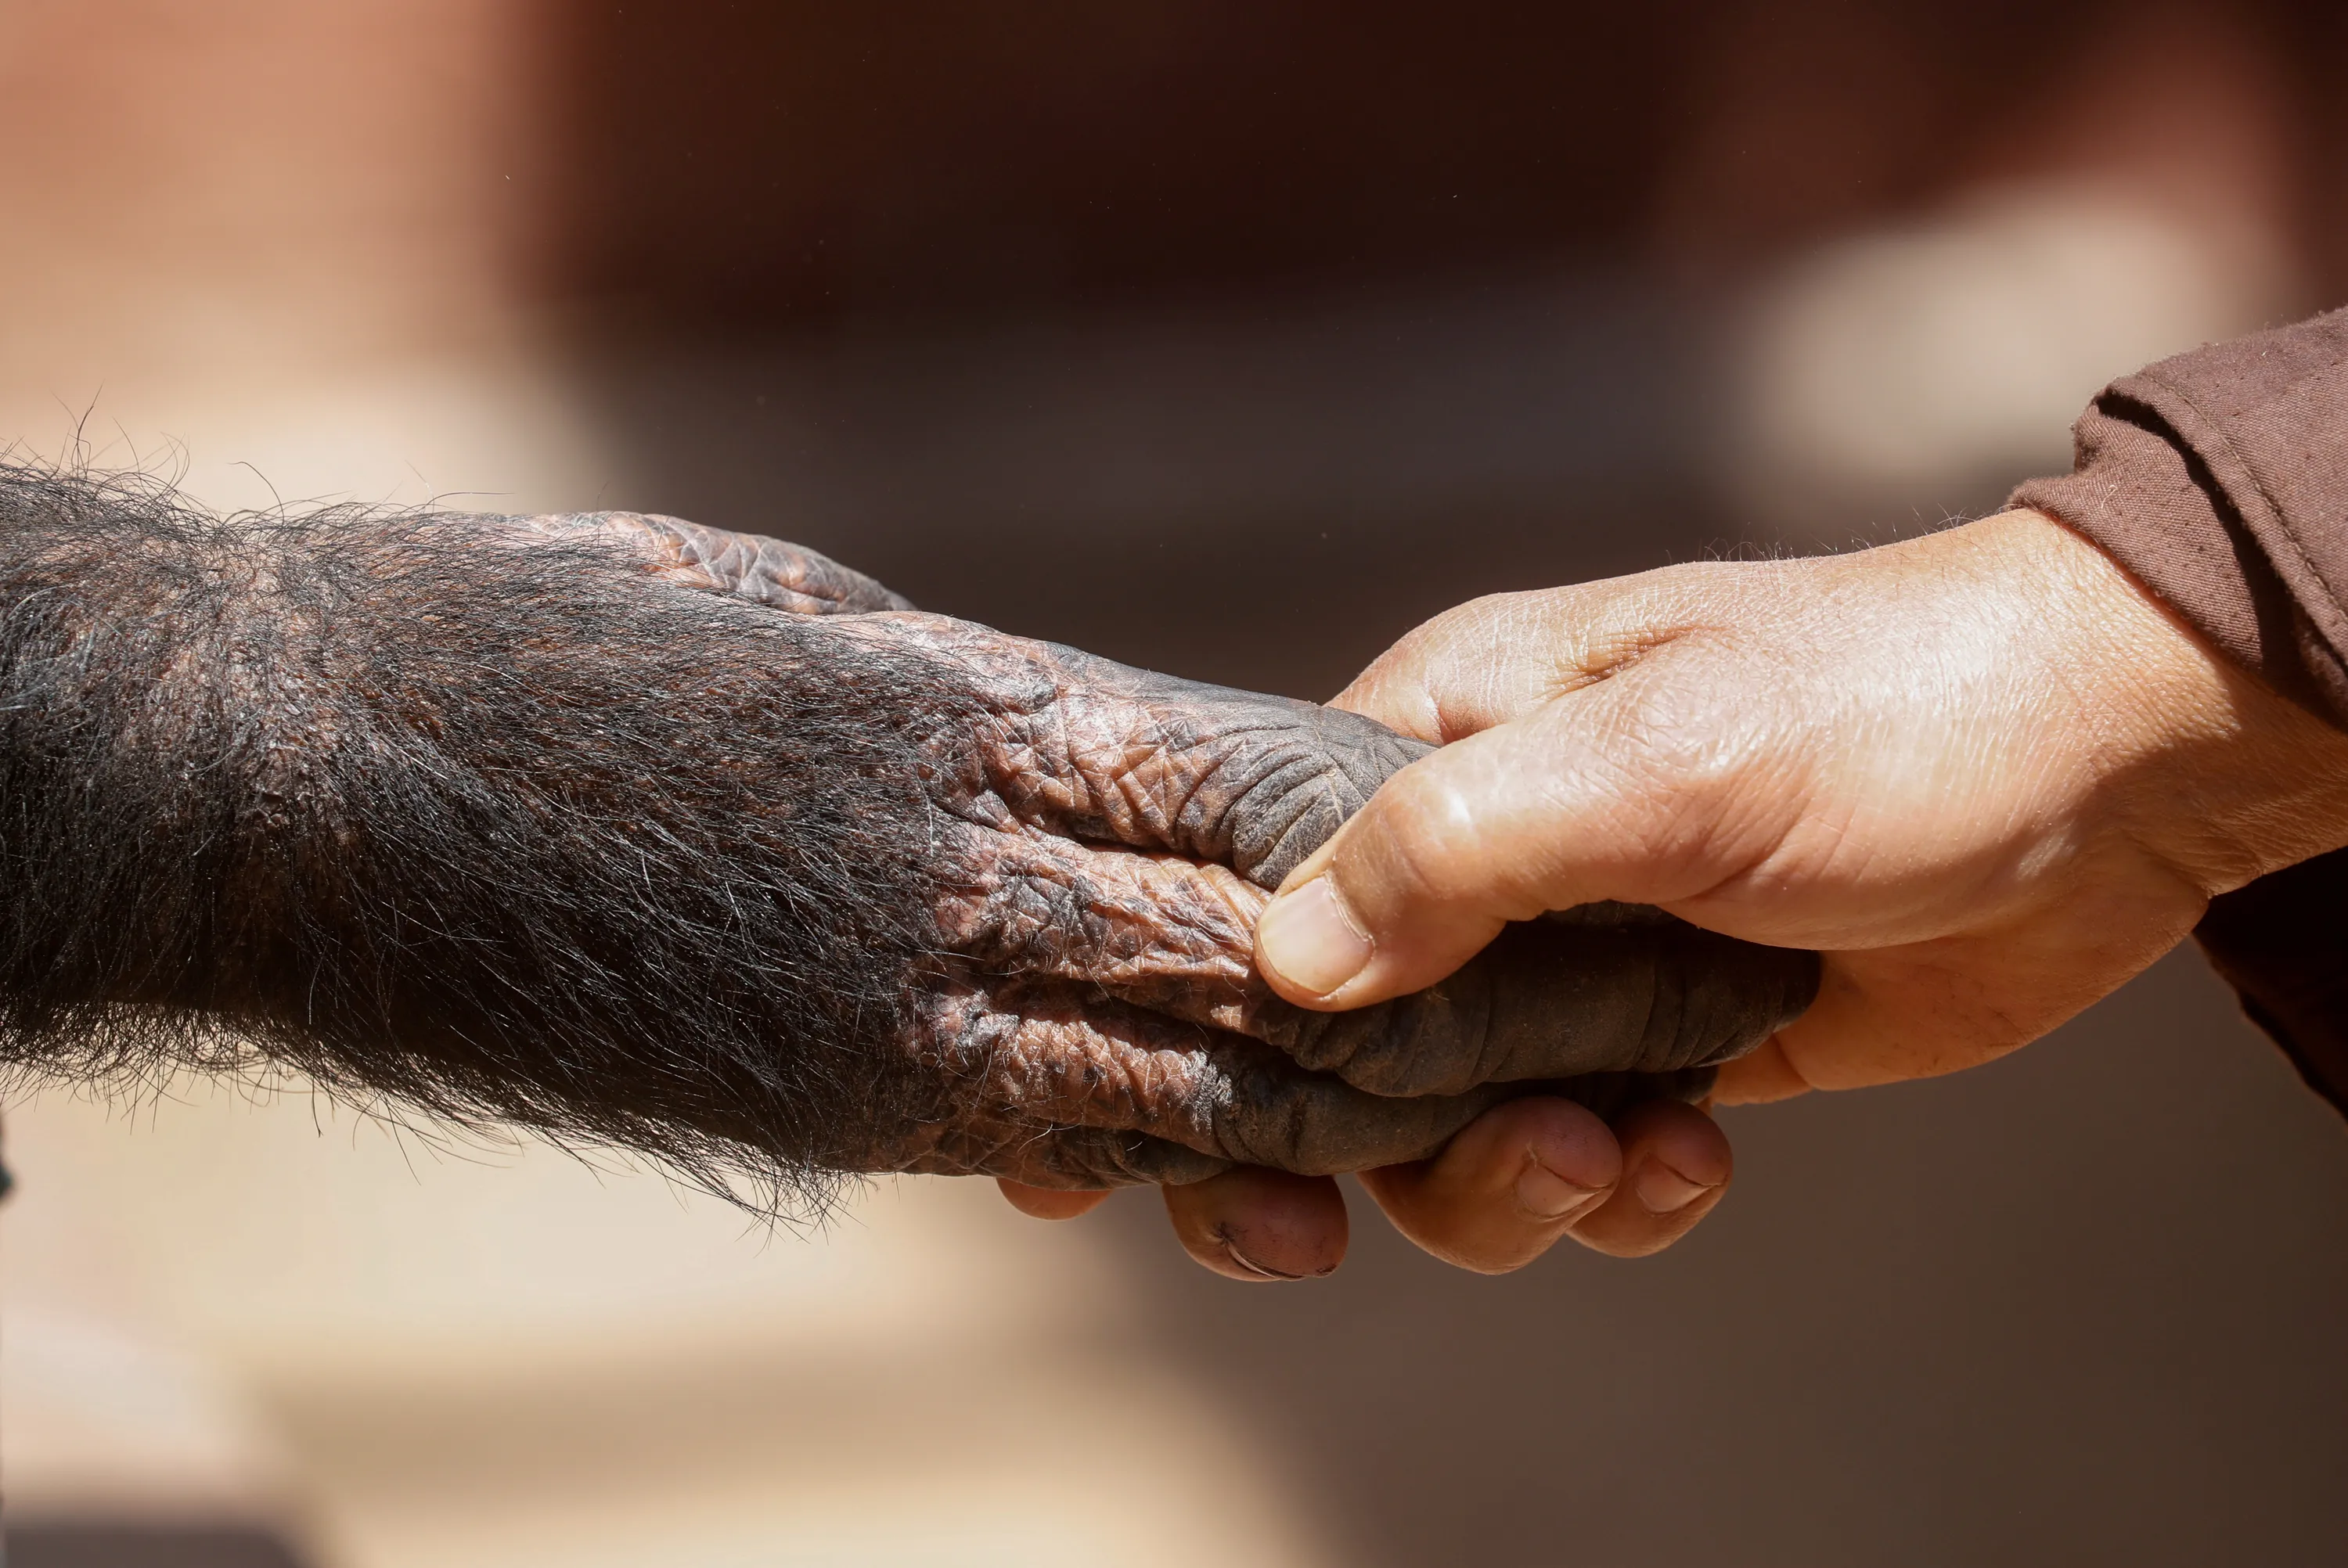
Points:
(2215, 775)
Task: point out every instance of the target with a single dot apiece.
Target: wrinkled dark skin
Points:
(1101, 983)
(692, 841)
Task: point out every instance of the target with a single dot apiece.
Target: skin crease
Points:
(1984, 772)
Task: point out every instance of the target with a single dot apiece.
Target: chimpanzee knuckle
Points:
(812, 582)
(765, 571)
(1324, 777)
(1189, 777)
(1363, 751)
(1103, 752)
(1281, 815)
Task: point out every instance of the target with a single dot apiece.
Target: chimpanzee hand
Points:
(688, 841)
(1101, 840)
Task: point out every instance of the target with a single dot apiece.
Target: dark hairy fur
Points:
(499, 833)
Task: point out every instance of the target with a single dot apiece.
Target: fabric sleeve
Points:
(2219, 479)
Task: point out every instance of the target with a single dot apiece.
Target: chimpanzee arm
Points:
(697, 844)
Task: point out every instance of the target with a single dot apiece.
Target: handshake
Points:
(699, 843)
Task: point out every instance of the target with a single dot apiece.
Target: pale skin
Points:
(1983, 772)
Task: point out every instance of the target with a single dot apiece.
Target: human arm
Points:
(1984, 772)
(2008, 765)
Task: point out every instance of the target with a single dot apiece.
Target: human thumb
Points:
(1560, 808)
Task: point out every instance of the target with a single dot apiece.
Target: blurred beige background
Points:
(272, 247)
(1231, 341)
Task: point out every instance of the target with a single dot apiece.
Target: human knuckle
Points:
(1677, 756)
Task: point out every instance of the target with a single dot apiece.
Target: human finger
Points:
(1487, 661)
(1638, 790)
(1506, 1188)
(1676, 1166)
(1919, 1010)
(1261, 1225)
(1759, 1078)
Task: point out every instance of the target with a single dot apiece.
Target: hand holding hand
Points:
(1983, 772)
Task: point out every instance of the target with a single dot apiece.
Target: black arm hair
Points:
(500, 832)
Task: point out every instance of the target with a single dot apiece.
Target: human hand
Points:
(1100, 841)
(1983, 772)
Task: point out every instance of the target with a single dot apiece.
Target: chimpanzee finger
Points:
(1261, 1226)
(1091, 749)
(1619, 990)
(1055, 1086)
(1165, 932)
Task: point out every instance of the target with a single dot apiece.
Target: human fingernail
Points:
(1310, 939)
(1546, 1196)
(1663, 1191)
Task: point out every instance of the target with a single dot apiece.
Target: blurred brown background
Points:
(1231, 340)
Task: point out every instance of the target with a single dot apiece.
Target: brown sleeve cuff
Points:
(2219, 478)
(2279, 944)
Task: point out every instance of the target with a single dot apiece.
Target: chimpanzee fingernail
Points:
(1546, 1196)
(1663, 1191)
(1309, 937)
(1251, 1267)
